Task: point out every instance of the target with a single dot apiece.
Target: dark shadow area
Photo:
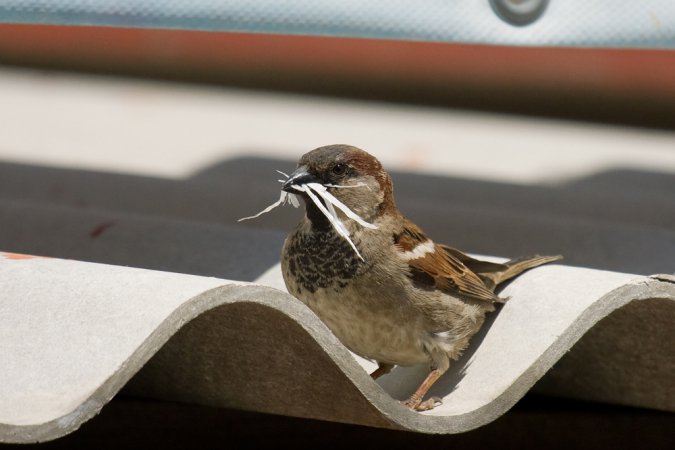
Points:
(534, 423)
(621, 220)
(255, 357)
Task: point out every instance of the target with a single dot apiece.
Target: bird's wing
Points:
(434, 266)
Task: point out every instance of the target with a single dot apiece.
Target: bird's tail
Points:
(516, 267)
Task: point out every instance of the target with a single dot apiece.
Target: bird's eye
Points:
(339, 169)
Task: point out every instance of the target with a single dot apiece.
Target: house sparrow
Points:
(387, 291)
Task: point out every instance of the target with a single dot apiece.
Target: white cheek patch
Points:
(419, 251)
(330, 199)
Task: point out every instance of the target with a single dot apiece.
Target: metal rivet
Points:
(519, 12)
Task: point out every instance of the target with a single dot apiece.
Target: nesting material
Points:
(317, 192)
(283, 198)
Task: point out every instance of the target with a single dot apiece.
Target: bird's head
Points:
(353, 176)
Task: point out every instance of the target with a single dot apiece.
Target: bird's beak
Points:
(298, 177)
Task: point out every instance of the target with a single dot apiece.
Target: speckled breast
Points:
(319, 260)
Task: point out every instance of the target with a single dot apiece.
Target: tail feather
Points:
(515, 267)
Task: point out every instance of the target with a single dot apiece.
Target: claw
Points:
(429, 404)
(416, 404)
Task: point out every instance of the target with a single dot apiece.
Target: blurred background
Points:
(137, 132)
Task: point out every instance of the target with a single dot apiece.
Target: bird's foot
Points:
(416, 404)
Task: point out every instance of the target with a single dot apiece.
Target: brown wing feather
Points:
(441, 269)
(476, 265)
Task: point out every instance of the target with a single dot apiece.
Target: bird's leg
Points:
(382, 369)
(415, 401)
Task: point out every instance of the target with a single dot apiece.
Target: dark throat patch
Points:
(322, 259)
